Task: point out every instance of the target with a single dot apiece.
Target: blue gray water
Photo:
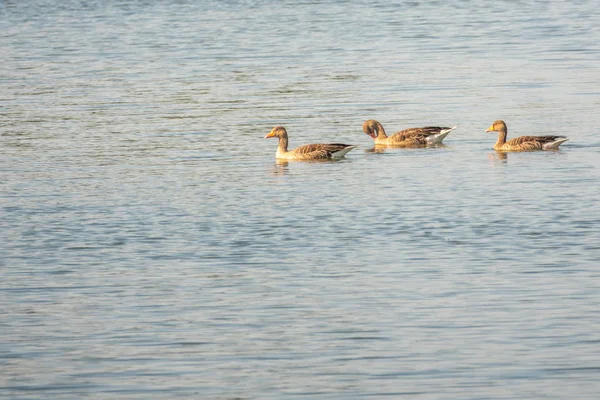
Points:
(152, 247)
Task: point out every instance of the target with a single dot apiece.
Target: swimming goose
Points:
(411, 137)
(320, 151)
(524, 143)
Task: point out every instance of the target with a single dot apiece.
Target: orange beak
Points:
(270, 134)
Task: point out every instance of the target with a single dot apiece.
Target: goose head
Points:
(370, 128)
(278, 132)
(497, 126)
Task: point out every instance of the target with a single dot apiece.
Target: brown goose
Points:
(320, 151)
(523, 143)
(411, 137)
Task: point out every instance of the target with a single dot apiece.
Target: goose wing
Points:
(420, 136)
(539, 139)
(321, 151)
(532, 142)
(419, 132)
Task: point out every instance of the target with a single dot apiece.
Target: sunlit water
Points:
(153, 248)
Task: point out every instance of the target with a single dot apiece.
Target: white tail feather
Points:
(437, 139)
(342, 153)
(554, 145)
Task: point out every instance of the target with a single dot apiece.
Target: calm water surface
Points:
(152, 247)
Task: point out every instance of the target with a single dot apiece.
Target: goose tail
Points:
(554, 145)
(342, 152)
(438, 138)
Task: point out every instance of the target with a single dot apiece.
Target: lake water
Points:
(152, 247)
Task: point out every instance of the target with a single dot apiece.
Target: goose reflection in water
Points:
(281, 167)
(498, 157)
(384, 148)
(376, 149)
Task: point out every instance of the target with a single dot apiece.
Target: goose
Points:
(319, 151)
(411, 137)
(524, 143)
